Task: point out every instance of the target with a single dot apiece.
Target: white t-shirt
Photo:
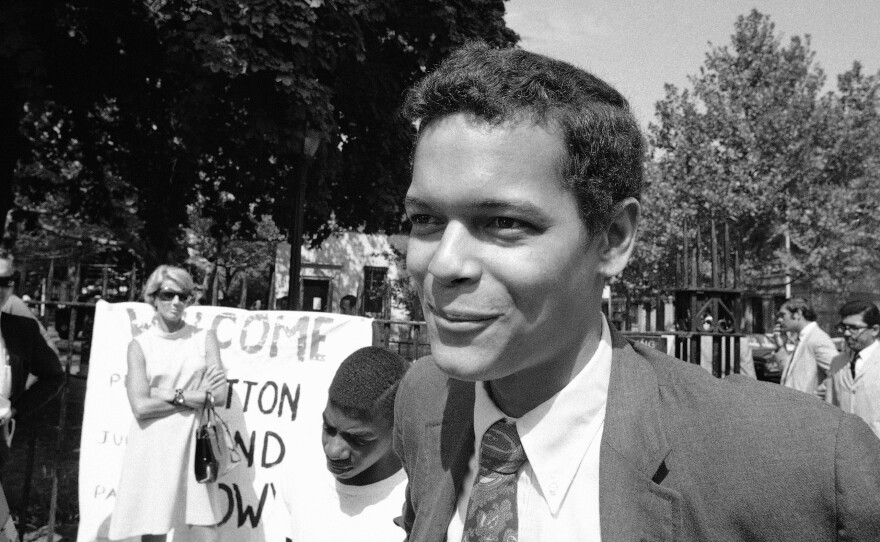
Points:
(322, 509)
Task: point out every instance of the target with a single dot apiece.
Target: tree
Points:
(146, 108)
(756, 143)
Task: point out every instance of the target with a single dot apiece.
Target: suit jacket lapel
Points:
(456, 438)
(633, 503)
(795, 357)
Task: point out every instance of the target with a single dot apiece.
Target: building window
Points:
(316, 294)
(374, 290)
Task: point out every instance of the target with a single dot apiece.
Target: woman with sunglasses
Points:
(171, 367)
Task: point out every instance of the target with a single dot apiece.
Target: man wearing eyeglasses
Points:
(854, 384)
(23, 352)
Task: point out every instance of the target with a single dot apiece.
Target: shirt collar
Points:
(557, 433)
(868, 351)
(806, 330)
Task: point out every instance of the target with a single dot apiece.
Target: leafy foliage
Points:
(141, 109)
(755, 142)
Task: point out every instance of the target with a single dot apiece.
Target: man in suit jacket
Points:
(806, 367)
(854, 384)
(524, 199)
(26, 353)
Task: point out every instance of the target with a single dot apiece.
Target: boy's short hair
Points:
(605, 147)
(366, 382)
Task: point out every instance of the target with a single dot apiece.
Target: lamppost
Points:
(311, 142)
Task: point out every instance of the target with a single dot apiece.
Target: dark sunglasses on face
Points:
(169, 295)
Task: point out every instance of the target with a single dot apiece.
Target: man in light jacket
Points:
(854, 384)
(806, 367)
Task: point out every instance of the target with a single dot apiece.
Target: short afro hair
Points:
(604, 162)
(366, 382)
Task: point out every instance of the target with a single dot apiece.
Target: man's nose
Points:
(336, 448)
(454, 260)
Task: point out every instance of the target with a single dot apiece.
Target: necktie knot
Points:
(501, 450)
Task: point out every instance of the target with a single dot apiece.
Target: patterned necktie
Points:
(491, 512)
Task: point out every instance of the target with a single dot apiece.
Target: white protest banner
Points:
(279, 365)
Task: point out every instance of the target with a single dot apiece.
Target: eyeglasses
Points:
(854, 330)
(169, 295)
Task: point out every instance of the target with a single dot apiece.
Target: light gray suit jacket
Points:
(806, 368)
(684, 456)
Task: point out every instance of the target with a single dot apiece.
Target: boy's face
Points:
(356, 450)
(508, 274)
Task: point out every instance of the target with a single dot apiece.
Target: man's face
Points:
(355, 448)
(6, 271)
(790, 321)
(857, 333)
(504, 265)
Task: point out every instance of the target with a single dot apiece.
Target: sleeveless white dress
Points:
(157, 490)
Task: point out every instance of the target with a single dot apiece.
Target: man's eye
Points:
(422, 219)
(329, 430)
(506, 223)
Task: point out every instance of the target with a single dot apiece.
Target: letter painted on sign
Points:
(246, 512)
(136, 328)
(292, 401)
(262, 404)
(318, 338)
(248, 452)
(218, 321)
(247, 395)
(101, 491)
(256, 347)
(230, 503)
(299, 330)
(281, 449)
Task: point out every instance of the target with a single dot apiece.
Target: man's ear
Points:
(619, 238)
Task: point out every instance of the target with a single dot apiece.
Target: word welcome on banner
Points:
(279, 365)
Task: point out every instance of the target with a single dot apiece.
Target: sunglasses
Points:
(169, 295)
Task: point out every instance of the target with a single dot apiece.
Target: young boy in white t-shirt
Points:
(363, 491)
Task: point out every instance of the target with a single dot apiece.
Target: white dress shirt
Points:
(558, 487)
(865, 354)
